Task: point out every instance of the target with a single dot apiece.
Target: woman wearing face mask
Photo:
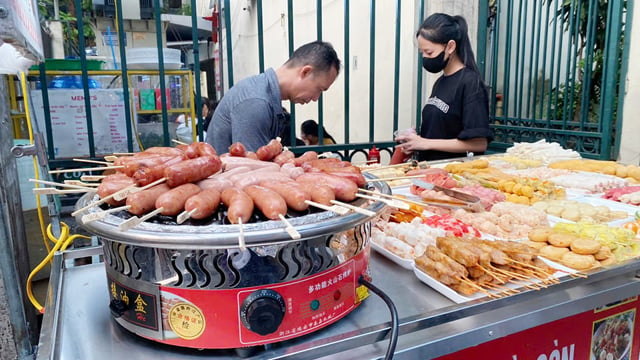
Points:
(455, 119)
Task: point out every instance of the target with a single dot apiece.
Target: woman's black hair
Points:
(440, 28)
(310, 127)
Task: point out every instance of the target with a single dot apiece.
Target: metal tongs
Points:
(466, 201)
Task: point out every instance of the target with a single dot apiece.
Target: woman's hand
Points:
(408, 143)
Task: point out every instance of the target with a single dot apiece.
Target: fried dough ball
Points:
(561, 239)
(608, 261)
(585, 246)
(578, 261)
(535, 244)
(540, 234)
(553, 252)
(603, 253)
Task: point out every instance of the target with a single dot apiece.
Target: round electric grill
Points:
(196, 285)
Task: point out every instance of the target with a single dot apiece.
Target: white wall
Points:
(629, 145)
(245, 56)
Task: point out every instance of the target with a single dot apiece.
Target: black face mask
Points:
(435, 64)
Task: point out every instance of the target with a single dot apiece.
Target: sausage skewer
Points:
(391, 202)
(200, 205)
(93, 161)
(124, 193)
(101, 214)
(135, 221)
(289, 228)
(334, 208)
(354, 208)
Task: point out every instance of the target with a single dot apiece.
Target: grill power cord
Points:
(393, 339)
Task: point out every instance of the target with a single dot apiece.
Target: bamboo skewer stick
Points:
(122, 154)
(86, 169)
(101, 214)
(354, 208)
(80, 183)
(179, 142)
(122, 194)
(336, 209)
(184, 216)
(54, 191)
(241, 243)
(391, 202)
(92, 177)
(52, 183)
(93, 161)
(289, 228)
(396, 178)
(96, 203)
(110, 158)
(135, 221)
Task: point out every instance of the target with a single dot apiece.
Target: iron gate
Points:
(555, 69)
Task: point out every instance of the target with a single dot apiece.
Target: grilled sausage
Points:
(270, 151)
(322, 194)
(257, 176)
(269, 202)
(134, 163)
(237, 149)
(205, 203)
(251, 155)
(291, 192)
(231, 162)
(112, 184)
(144, 201)
(147, 175)
(239, 205)
(219, 184)
(284, 157)
(172, 202)
(164, 151)
(344, 189)
(192, 170)
(307, 156)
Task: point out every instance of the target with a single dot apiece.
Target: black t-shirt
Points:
(457, 109)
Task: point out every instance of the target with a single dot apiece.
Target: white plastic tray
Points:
(402, 262)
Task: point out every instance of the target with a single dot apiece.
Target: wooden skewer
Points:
(122, 154)
(354, 208)
(391, 202)
(52, 183)
(110, 158)
(135, 221)
(96, 203)
(122, 194)
(86, 169)
(183, 216)
(241, 243)
(93, 161)
(179, 142)
(336, 209)
(54, 191)
(374, 169)
(92, 177)
(80, 183)
(396, 178)
(101, 214)
(290, 229)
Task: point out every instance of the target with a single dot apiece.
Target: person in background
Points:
(251, 111)
(285, 135)
(184, 133)
(309, 133)
(208, 107)
(455, 119)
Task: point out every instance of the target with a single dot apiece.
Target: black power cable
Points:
(393, 339)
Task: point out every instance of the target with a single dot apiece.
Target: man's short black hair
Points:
(318, 54)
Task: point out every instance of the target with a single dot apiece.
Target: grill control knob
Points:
(262, 311)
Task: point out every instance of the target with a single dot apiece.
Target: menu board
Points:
(69, 121)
